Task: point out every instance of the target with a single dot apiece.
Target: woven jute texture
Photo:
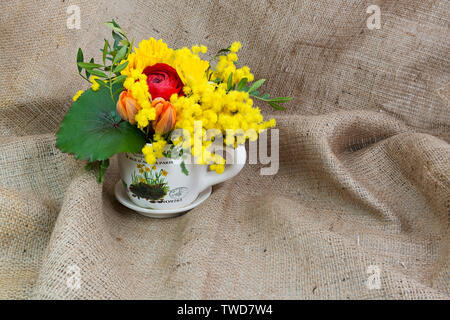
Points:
(364, 178)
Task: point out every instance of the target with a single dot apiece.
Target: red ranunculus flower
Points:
(163, 81)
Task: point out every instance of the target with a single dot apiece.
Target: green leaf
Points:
(120, 67)
(101, 83)
(89, 166)
(183, 168)
(281, 99)
(115, 27)
(98, 73)
(264, 96)
(101, 174)
(122, 52)
(130, 47)
(256, 85)
(102, 167)
(117, 38)
(92, 130)
(230, 82)
(80, 58)
(276, 106)
(218, 80)
(105, 163)
(86, 70)
(241, 84)
(226, 50)
(222, 52)
(119, 79)
(115, 23)
(105, 50)
(88, 65)
(118, 91)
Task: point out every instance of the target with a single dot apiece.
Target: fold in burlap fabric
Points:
(364, 158)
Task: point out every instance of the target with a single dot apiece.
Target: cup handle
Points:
(211, 177)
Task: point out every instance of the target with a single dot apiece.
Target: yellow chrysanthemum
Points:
(190, 68)
(148, 53)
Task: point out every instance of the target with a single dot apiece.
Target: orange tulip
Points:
(127, 107)
(165, 116)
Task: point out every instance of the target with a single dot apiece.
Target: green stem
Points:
(84, 78)
(110, 85)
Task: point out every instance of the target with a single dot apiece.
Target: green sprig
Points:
(253, 92)
(109, 71)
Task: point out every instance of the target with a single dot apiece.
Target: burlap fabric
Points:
(364, 158)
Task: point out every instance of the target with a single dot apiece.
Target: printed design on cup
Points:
(178, 193)
(149, 184)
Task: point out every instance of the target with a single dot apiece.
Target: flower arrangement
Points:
(139, 98)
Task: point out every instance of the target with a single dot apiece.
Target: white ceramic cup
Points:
(163, 185)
